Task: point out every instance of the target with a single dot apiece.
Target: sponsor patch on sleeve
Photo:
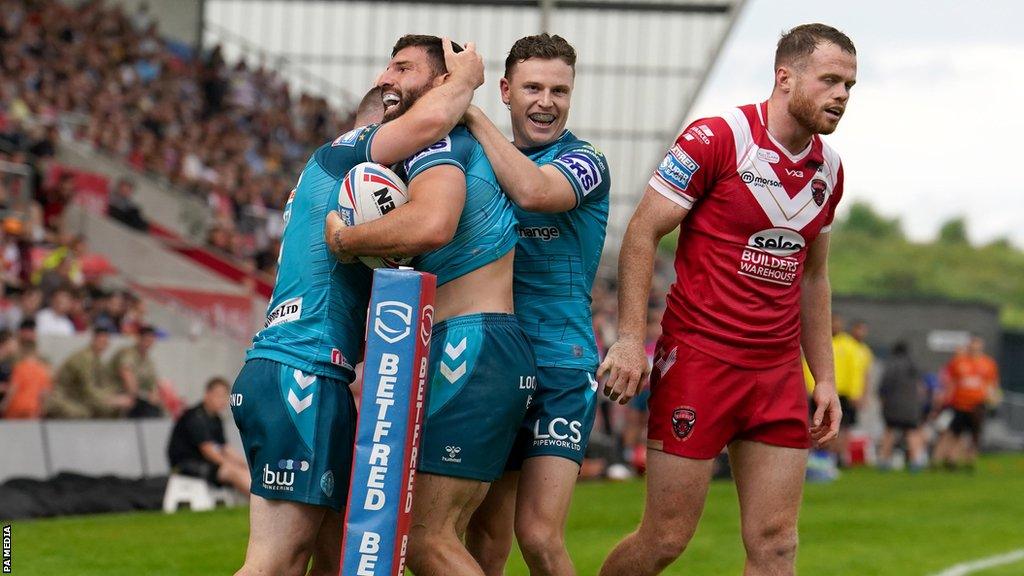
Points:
(442, 145)
(584, 169)
(349, 138)
(677, 168)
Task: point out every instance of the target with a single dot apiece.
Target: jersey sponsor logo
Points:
(749, 177)
(677, 168)
(818, 190)
(684, 419)
(759, 264)
(769, 156)
(777, 241)
(349, 138)
(684, 158)
(280, 480)
(559, 433)
(394, 321)
(545, 233)
(442, 145)
(795, 173)
(700, 134)
(707, 131)
(235, 400)
(287, 311)
(584, 169)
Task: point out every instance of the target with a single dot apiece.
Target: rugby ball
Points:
(368, 192)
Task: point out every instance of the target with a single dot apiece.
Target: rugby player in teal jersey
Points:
(560, 185)
(461, 228)
(291, 400)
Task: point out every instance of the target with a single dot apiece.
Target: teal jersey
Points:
(486, 229)
(317, 314)
(557, 258)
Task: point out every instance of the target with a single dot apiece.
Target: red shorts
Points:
(699, 404)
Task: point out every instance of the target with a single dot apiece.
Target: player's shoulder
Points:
(354, 136)
(830, 155)
(584, 164)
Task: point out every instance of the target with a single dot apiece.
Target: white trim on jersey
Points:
(794, 213)
(683, 200)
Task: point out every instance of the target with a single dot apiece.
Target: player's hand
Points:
(627, 369)
(466, 66)
(472, 115)
(332, 236)
(825, 422)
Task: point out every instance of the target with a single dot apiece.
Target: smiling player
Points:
(560, 185)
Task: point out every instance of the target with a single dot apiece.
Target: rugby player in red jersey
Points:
(755, 191)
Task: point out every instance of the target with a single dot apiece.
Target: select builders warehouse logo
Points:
(7, 549)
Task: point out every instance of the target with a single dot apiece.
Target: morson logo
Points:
(393, 322)
(748, 177)
(777, 241)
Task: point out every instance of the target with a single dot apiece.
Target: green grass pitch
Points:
(867, 523)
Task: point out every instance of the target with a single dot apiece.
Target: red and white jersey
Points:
(754, 210)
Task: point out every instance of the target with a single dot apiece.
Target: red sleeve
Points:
(691, 166)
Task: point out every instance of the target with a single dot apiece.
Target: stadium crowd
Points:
(234, 135)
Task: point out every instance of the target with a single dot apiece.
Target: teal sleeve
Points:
(454, 149)
(347, 150)
(586, 169)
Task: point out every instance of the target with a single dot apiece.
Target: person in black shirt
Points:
(197, 446)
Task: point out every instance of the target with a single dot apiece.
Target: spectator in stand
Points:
(82, 389)
(54, 319)
(973, 386)
(198, 448)
(27, 334)
(8, 354)
(27, 305)
(31, 382)
(134, 374)
(902, 394)
(123, 208)
(55, 199)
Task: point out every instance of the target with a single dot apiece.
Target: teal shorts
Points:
(297, 430)
(560, 417)
(482, 377)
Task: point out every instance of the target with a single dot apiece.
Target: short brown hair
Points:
(217, 381)
(543, 46)
(431, 44)
(801, 41)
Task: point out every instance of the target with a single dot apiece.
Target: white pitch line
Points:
(982, 564)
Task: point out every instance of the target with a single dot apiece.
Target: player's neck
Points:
(785, 129)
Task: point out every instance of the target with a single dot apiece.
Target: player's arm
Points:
(435, 113)
(427, 222)
(211, 452)
(816, 340)
(626, 361)
(531, 187)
